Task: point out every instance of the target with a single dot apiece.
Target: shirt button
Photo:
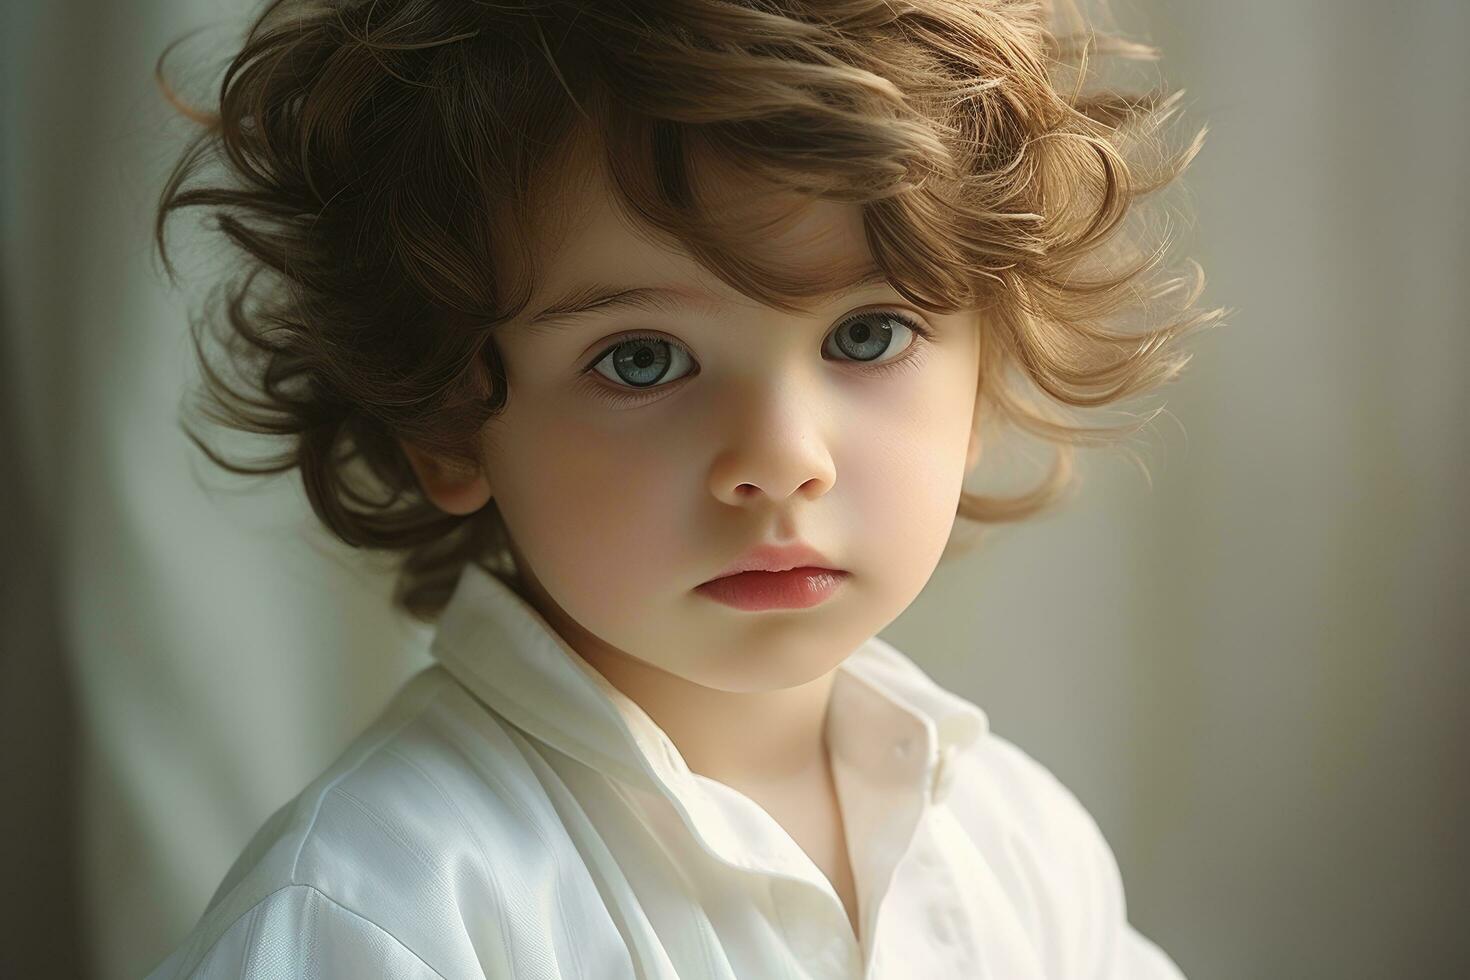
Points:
(940, 926)
(943, 775)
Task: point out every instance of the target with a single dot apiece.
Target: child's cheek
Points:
(599, 509)
(900, 468)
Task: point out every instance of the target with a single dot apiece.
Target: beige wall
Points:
(1251, 671)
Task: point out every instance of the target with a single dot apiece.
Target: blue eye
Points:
(642, 361)
(858, 338)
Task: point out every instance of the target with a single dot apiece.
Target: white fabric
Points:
(511, 814)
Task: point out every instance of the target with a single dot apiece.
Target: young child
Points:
(658, 340)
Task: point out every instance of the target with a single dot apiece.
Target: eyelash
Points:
(627, 395)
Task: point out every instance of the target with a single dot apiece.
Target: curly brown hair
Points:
(379, 158)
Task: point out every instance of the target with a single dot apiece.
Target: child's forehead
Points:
(582, 235)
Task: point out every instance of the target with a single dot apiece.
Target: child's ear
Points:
(449, 485)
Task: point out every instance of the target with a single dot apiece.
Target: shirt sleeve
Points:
(1085, 918)
(1112, 948)
(298, 933)
(1137, 956)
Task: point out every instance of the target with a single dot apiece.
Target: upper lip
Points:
(777, 558)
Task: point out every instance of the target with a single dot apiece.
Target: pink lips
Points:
(793, 576)
(795, 588)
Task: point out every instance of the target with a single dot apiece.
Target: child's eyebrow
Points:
(596, 299)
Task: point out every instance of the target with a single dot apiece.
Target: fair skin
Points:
(769, 432)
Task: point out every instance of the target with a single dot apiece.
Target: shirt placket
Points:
(886, 762)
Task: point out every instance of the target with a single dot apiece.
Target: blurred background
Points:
(1249, 661)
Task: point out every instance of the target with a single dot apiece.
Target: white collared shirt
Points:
(511, 814)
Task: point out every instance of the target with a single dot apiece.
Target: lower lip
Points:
(798, 588)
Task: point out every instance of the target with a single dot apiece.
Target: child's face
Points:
(767, 431)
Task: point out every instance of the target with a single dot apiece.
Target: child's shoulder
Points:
(1051, 855)
(382, 844)
(1044, 847)
(1023, 789)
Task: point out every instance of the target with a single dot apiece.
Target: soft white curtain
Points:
(1252, 671)
(216, 648)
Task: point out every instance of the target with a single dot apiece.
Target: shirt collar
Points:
(501, 649)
